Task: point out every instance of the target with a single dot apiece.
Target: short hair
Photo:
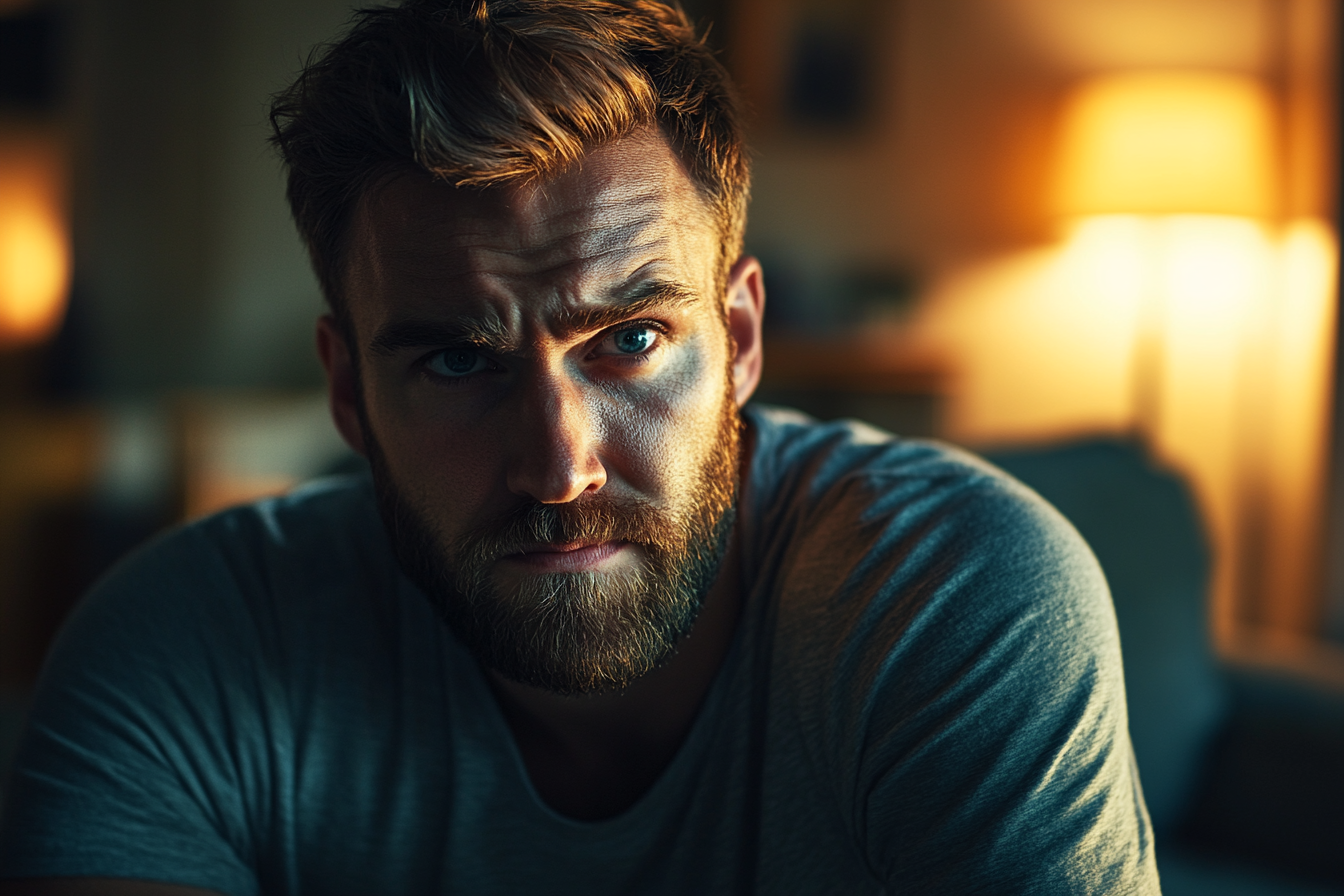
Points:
(484, 92)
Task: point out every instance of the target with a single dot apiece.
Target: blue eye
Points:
(456, 362)
(634, 340)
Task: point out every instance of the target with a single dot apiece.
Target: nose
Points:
(554, 452)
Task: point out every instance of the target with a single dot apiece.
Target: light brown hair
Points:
(484, 92)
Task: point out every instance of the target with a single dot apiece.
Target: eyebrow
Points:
(650, 296)
(483, 332)
(491, 334)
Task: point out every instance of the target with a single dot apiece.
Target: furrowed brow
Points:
(483, 333)
(647, 299)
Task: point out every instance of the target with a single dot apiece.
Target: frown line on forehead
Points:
(479, 232)
(490, 332)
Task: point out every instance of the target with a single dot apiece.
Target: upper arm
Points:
(1001, 751)
(143, 751)
(966, 681)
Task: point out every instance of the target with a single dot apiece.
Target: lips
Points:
(572, 557)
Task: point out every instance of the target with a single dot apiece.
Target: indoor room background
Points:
(1095, 240)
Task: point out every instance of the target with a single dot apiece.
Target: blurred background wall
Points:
(948, 254)
(156, 307)
(948, 170)
(191, 272)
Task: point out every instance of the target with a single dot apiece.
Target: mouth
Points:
(571, 557)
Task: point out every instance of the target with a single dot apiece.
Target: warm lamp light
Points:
(1169, 183)
(1167, 143)
(1182, 166)
(34, 251)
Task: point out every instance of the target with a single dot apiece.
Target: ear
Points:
(745, 308)
(334, 351)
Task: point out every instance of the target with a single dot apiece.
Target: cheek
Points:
(429, 456)
(658, 439)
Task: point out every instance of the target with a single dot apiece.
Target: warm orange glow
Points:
(1046, 339)
(1042, 340)
(1045, 343)
(1291, 421)
(1167, 143)
(34, 248)
(33, 271)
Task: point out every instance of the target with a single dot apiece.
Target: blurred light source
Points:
(1191, 153)
(1167, 143)
(34, 247)
(1170, 180)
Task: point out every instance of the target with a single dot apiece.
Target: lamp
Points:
(1160, 148)
(34, 247)
(1167, 144)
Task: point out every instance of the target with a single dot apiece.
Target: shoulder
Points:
(799, 462)
(877, 548)
(326, 526)
(945, 646)
(210, 611)
(215, 593)
(229, 606)
(322, 534)
(852, 510)
(895, 559)
(165, 706)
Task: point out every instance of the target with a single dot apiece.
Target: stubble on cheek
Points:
(576, 632)
(588, 631)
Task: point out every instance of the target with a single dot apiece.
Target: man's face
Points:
(545, 390)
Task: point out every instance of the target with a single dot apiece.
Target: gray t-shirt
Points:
(924, 696)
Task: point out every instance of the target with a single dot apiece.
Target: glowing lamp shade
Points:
(1167, 143)
(34, 254)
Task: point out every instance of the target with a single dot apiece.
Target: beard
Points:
(573, 632)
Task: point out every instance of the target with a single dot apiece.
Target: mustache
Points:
(597, 518)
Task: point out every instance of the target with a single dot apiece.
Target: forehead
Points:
(628, 210)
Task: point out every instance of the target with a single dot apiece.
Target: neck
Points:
(593, 756)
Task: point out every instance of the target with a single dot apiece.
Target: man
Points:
(686, 645)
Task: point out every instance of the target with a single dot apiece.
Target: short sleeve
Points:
(1005, 766)
(961, 686)
(142, 749)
